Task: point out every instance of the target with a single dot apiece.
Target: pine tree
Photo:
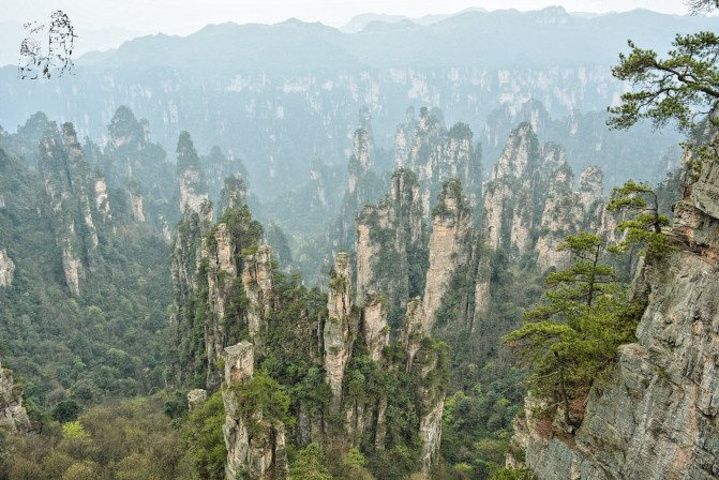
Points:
(643, 223)
(569, 339)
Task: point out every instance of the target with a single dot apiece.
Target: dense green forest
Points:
(407, 316)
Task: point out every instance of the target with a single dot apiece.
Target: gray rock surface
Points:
(656, 417)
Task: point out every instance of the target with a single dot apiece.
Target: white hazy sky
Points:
(186, 16)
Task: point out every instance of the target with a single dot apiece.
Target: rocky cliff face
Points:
(228, 290)
(133, 163)
(390, 242)
(510, 175)
(431, 393)
(7, 269)
(217, 256)
(427, 361)
(222, 275)
(340, 328)
(374, 325)
(656, 417)
(563, 215)
(531, 204)
(437, 154)
(362, 184)
(450, 247)
(403, 139)
(255, 445)
(257, 284)
(12, 414)
(184, 266)
(73, 210)
(190, 176)
(102, 200)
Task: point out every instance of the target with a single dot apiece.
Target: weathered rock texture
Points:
(563, 215)
(196, 398)
(510, 207)
(403, 139)
(191, 179)
(530, 206)
(257, 284)
(530, 203)
(12, 414)
(339, 329)
(255, 445)
(426, 360)
(362, 187)
(656, 417)
(73, 210)
(437, 154)
(413, 331)
(102, 202)
(7, 269)
(218, 257)
(374, 324)
(390, 242)
(449, 247)
(222, 276)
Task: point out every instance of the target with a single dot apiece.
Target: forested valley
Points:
(528, 292)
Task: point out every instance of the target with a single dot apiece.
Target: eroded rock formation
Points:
(339, 329)
(255, 444)
(437, 154)
(656, 416)
(7, 269)
(390, 242)
(449, 247)
(257, 284)
(69, 191)
(191, 179)
(12, 414)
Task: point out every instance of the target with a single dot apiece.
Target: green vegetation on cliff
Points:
(572, 338)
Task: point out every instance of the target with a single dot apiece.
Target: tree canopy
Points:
(681, 87)
(569, 339)
(643, 223)
(701, 6)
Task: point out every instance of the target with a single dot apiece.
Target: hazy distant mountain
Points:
(280, 96)
(10, 38)
(502, 38)
(359, 22)
(12, 34)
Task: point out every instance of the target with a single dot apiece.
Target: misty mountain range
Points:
(280, 96)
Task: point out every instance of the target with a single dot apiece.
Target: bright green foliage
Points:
(676, 88)
(643, 224)
(263, 394)
(203, 437)
(478, 421)
(130, 440)
(74, 430)
(513, 474)
(187, 347)
(106, 343)
(309, 466)
(572, 291)
(354, 459)
(245, 231)
(572, 338)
